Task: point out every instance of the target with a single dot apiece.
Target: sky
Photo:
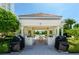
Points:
(67, 10)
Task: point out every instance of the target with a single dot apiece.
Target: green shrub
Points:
(73, 48)
(4, 47)
(9, 24)
(73, 45)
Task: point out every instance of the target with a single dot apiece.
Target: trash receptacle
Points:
(22, 42)
(57, 41)
(61, 43)
(63, 46)
(15, 44)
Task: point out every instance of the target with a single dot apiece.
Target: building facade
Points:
(41, 21)
(49, 23)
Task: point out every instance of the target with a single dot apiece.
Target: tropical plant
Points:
(73, 44)
(76, 25)
(4, 47)
(69, 22)
(73, 32)
(8, 22)
(36, 32)
(73, 40)
(44, 32)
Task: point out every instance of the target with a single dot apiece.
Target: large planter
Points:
(51, 41)
(29, 41)
(15, 46)
(22, 42)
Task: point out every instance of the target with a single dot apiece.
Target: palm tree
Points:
(76, 25)
(69, 22)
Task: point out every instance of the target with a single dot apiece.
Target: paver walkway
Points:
(40, 50)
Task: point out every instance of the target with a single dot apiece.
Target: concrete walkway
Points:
(40, 50)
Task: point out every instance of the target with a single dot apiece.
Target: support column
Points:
(22, 30)
(61, 31)
(54, 31)
(58, 31)
(47, 32)
(32, 33)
